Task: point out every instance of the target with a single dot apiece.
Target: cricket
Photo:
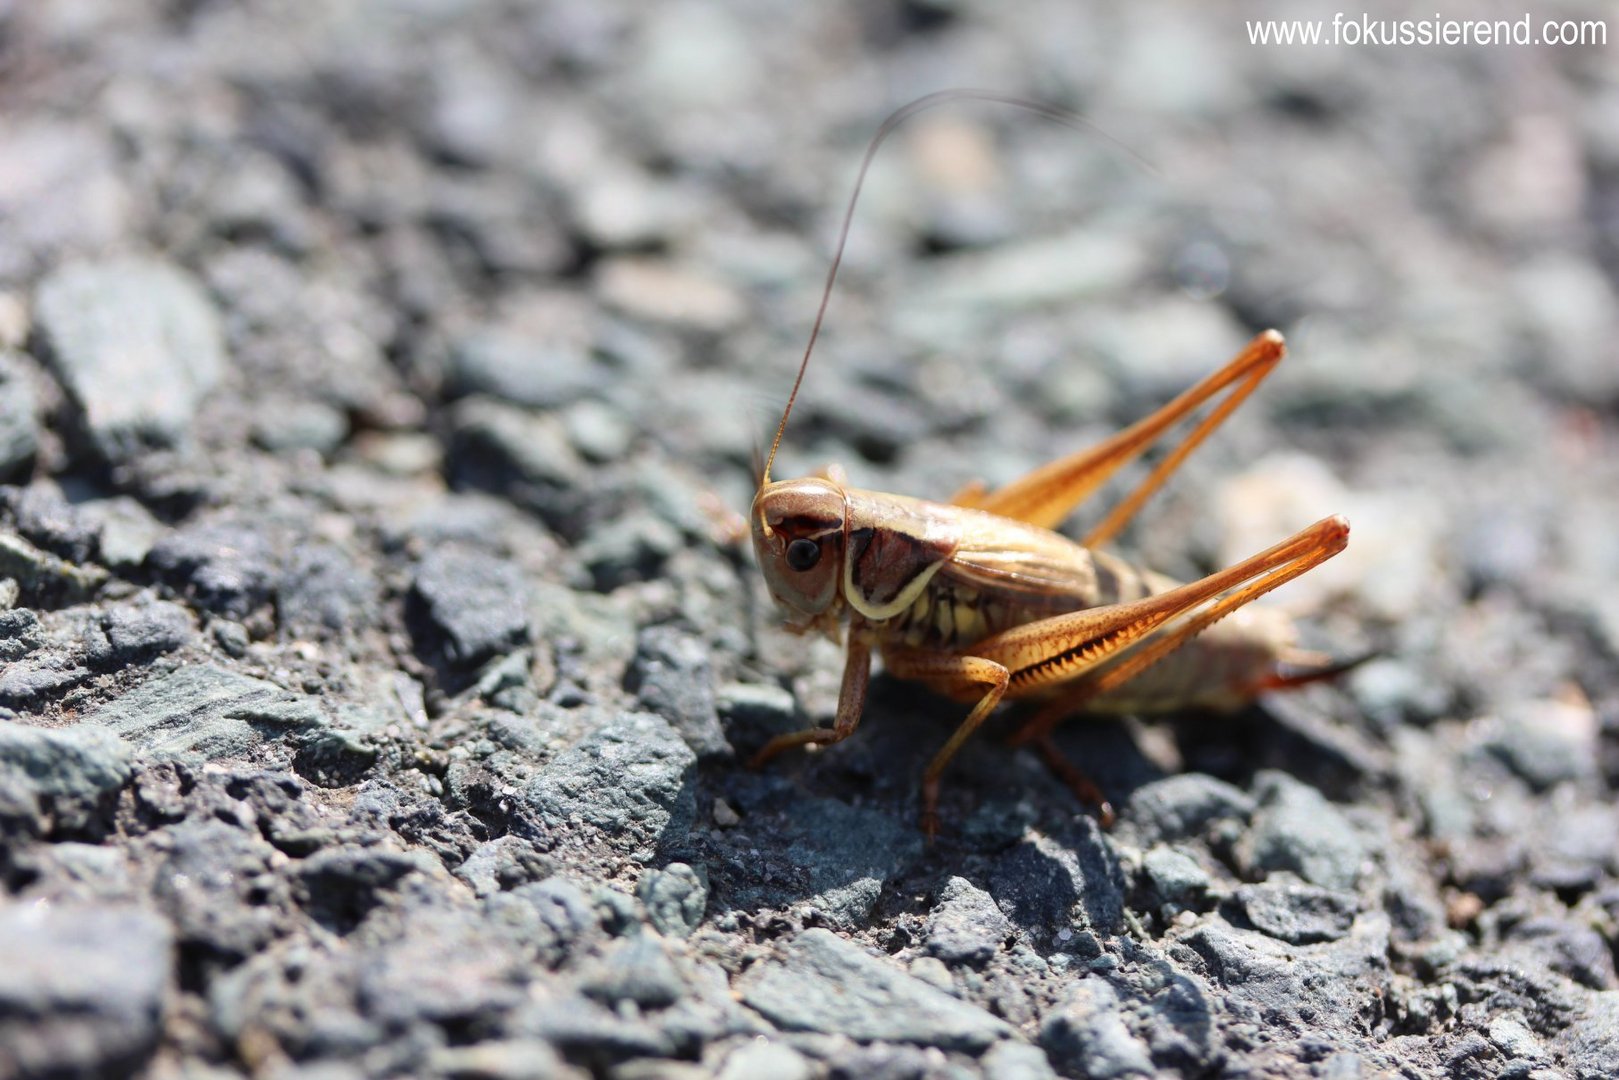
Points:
(981, 601)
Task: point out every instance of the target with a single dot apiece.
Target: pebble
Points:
(966, 927)
(82, 992)
(629, 783)
(1298, 914)
(134, 633)
(671, 676)
(1086, 1035)
(502, 864)
(203, 710)
(74, 773)
(323, 593)
(1012, 1060)
(128, 532)
(525, 456)
(43, 579)
(286, 427)
(1046, 888)
(636, 969)
(665, 292)
(137, 343)
(675, 898)
(19, 424)
(20, 633)
(468, 606)
(761, 1057)
(553, 919)
(44, 517)
(832, 857)
(225, 567)
(522, 367)
(220, 887)
(1546, 742)
(823, 983)
(1185, 807)
(1176, 879)
(1296, 829)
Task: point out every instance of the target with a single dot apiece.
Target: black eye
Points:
(803, 554)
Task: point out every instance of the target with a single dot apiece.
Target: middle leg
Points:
(949, 674)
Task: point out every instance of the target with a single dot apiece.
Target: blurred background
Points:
(377, 279)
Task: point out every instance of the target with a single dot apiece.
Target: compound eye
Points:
(803, 554)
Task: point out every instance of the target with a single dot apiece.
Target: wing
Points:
(1031, 566)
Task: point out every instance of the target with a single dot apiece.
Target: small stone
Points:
(70, 872)
(39, 679)
(82, 989)
(522, 368)
(73, 772)
(204, 710)
(966, 927)
(524, 456)
(675, 898)
(1297, 829)
(469, 606)
(636, 969)
(43, 579)
(824, 984)
(441, 966)
(1045, 887)
(137, 343)
(932, 970)
(128, 531)
(1087, 1036)
(552, 918)
(761, 1058)
(219, 886)
(1566, 947)
(672, 676)
(634, 547)
(283, 427)
(663, 291)
(598, 431)
(1547, 742)
(338, 886)
(502, 864)
(1176, 879)
(19, 423)
(629, 781)
(1299, 914)
(20, 633)
(226, 567)
(1011, 1060)
(496, 1059)
(231, 636)
(324, 594)
(1184, 807)
(830, 856)
(756, 711)
(135, 633)
(44, 516)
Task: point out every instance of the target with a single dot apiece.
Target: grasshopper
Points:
(978, 599)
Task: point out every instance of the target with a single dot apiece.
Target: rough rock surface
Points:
(378, 668)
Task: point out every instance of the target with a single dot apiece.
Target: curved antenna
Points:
(941, 97)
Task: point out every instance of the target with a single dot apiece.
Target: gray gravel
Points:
(376, 674)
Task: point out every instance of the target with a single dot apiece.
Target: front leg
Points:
(851, 702)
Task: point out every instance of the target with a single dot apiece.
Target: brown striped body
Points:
(1006, 573)
(941, 578)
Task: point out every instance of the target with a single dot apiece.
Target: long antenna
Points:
(895, 119)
